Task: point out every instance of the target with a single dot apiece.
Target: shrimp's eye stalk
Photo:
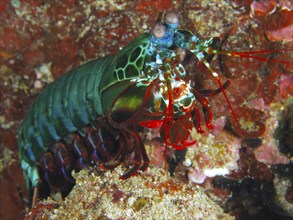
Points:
(161, 36)
(158, 30)
(171, 19)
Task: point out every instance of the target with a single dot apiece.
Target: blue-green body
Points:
(70, 103)
(61, 108)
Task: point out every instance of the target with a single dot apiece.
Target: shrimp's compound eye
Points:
(171, 19)
(161, 35)
(158, 30)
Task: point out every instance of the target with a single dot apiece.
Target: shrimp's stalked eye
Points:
(158, 30)
(171, 19)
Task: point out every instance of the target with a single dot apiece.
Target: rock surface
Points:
(149, 195)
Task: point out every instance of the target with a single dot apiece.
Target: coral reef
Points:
(150, 195)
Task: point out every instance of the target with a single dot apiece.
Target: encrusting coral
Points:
(149, 195)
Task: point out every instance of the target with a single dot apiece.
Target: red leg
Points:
(140, 157)
(208, 116)
(196, 118)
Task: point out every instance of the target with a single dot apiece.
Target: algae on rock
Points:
(150, 195)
